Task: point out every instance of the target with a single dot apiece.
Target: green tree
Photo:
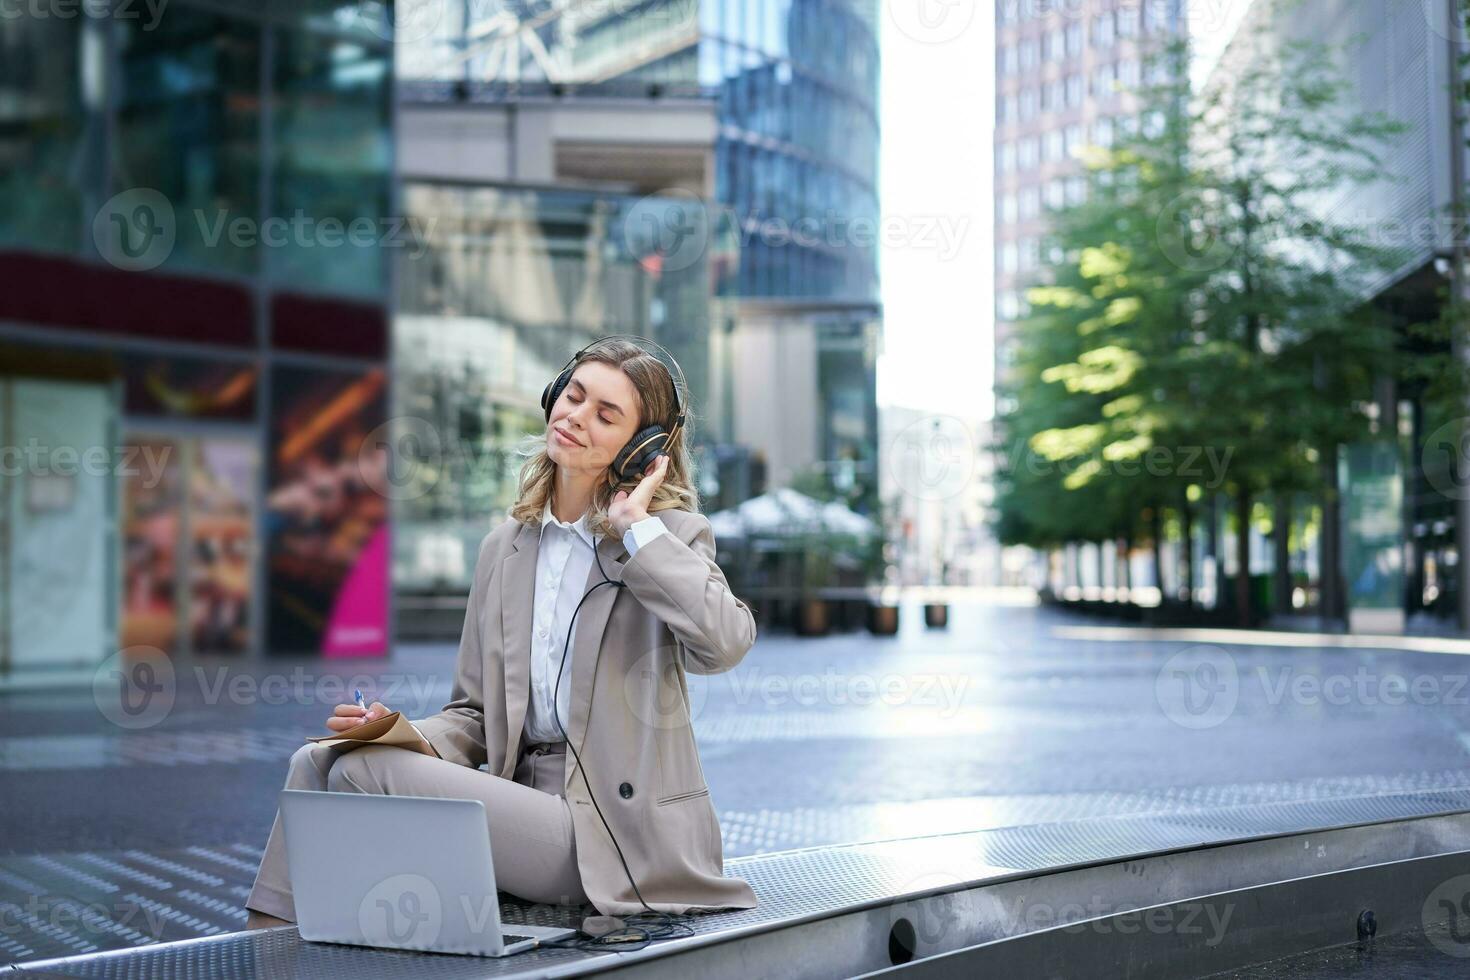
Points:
(1200, 299)
(1293, 346)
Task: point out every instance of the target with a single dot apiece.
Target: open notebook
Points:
(391, 729)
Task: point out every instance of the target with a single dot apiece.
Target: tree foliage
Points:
(1204, 297)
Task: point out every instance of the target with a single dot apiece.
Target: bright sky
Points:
(935, 182)
(938, 117)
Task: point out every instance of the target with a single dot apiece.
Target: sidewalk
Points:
(1012, 716)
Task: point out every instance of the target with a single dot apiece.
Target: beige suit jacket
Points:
(632, 649)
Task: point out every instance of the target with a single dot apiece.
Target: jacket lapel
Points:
(517, 598)
(517, 605)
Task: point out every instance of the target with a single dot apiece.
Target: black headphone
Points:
(648, 443)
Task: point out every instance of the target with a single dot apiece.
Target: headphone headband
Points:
(637, 341)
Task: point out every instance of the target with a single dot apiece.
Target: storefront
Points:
(194, 218)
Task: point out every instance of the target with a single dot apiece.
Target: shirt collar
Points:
(579, 525)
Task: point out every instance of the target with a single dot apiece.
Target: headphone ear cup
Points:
(642, 449)
(553, 392)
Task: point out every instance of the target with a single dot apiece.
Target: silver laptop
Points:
(407, 872)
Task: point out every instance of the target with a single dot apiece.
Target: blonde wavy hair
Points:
(652, 381)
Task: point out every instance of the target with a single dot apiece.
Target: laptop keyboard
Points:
(509, 938)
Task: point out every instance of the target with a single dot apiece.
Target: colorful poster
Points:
(152, 514)
(326, 526)
(221, 491)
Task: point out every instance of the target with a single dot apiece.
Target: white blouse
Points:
(563, 562)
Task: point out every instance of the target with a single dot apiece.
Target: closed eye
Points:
(600, 418)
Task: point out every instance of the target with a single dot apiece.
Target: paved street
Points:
(1013, 715)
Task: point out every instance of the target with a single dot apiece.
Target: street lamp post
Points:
(1461, 277)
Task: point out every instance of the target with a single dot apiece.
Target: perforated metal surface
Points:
(793, 886)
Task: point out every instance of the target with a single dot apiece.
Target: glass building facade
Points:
(797, 89)
(793, 181)
(194, 208)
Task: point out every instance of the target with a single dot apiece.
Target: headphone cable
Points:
(641, 928)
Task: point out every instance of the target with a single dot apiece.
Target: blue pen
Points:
(357, 696)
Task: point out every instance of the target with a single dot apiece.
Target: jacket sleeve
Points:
(680, 583)
(457, 733)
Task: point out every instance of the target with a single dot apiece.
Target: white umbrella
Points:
(838, 518)
(785, 512)
(726, 525)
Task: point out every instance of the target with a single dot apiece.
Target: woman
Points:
(624, 821)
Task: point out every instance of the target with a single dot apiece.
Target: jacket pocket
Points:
(682, 796)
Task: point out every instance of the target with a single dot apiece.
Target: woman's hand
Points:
(349, 715)
(627, 508)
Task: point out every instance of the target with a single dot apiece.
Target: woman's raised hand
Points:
(349, 715)
(627, 508)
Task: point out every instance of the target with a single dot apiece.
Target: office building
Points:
(1063, 74)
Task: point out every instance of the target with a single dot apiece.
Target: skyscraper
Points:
(1063, 70)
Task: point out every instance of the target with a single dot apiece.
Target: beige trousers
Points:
(530, 824)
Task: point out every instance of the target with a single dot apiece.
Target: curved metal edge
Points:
(1190, 862)
(1254, 926)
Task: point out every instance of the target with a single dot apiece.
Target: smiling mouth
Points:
(568, 438)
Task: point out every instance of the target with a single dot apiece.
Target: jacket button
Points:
(625, 790)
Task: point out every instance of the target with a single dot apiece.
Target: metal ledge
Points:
(831, 911)
(1243, 928)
